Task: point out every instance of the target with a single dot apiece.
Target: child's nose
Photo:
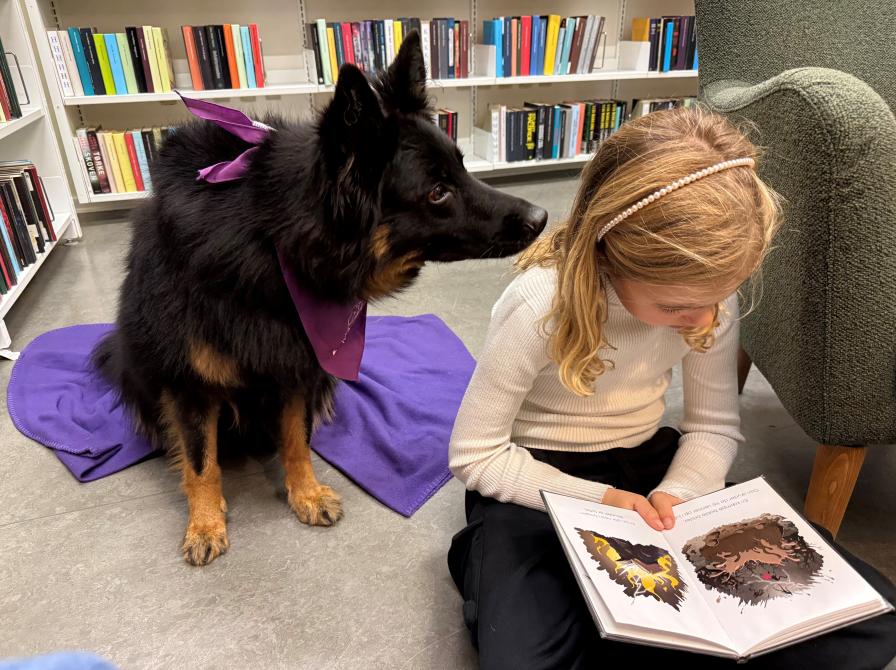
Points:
(700, 319)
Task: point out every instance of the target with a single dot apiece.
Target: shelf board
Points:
(29, 116)
(467, 82)
(597, 75)
(306, 89)
(504, 166)
(473, 163)
(267, 91)
(117, 197)
(8, 300)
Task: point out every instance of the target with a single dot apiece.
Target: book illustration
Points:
(755, 560)
(642, 569)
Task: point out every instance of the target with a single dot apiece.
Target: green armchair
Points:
(817, 79)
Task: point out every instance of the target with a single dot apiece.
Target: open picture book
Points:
(741, 573)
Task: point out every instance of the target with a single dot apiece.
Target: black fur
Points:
(203, 268)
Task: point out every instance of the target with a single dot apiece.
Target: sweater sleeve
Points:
(711, 422)
(481, 453)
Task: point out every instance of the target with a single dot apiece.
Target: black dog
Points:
(207, 333)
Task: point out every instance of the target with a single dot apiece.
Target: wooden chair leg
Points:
(833, 480)
(743, 368)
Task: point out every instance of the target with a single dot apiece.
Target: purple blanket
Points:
(390, 434)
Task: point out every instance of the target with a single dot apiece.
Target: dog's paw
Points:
(202, 545)
(318, 507)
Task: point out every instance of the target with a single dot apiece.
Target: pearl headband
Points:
(675, 185)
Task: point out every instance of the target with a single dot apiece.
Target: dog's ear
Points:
(353, 120)
(403, 85)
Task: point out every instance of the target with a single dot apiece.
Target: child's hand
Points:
(633, 501)
(663, 503)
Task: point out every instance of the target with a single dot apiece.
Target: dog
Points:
(207, 336)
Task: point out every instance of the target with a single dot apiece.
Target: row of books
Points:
(118, 161)
(91, 63)
(646, 106)
(446, 119)
(224, 56)
(673, 41)
(27, 226)
(9, 99)
(538, 131)
(372, 45)
(543, 45)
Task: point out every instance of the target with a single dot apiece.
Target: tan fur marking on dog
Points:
(206, 536)
(212, 366)
(379, 244)
(314, 503)
(392, 276)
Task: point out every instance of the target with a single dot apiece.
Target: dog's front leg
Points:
(313, 503)
(192, 429)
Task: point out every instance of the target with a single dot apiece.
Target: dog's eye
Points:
(438, 194)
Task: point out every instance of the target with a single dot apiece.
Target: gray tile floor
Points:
(96, 566)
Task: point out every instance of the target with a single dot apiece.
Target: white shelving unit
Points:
(292, 88)
(32, 137)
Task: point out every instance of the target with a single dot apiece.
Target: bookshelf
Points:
(292, 87)
(32, 137)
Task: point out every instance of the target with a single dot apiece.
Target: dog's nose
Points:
(535, 219)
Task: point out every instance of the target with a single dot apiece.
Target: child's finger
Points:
(663, 506)
(648, 513)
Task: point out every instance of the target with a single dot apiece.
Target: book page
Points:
(759, 565)
(633, 569)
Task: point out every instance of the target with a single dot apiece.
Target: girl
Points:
(670, 218)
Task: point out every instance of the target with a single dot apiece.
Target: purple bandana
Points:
(336, 331)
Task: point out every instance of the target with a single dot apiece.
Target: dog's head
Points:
(395, 189)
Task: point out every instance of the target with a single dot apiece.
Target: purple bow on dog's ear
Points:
(336, 331)
(234, 122)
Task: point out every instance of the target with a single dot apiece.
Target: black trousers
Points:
(525, 611)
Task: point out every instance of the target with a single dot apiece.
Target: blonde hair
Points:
(716, 229)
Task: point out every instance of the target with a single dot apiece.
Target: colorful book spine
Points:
(132, 160)
(124, 56)
(231, 56)
(102, 55)
(321, 27)
(247, 56)
(59, 61)
(162, 57)
(331, 48)
(397, 34)
(498, 41)
(70, 64)
(115, 64)
(88, 45)
(119, 145)
(136, 58)
(99, 163)
(534, 46)
(87, 157)
(567, 45)
(668, 30)
(6, 230)
(140, 34)
(152, 58)
(81, 61)
(389, 31)
(113, 171)
(526, 45)
(238, 55)
(550, 48)
(192, 58)
(426, 39)
(216, 60)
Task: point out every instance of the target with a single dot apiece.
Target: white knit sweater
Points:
(515, 400)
